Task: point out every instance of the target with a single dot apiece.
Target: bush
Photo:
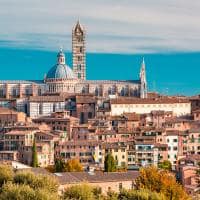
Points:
(79, 192)
(12, 191)
(141, 195)
(6, 174)
(37, 182)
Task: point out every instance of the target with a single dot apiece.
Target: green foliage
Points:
(198, 175)
(34, 155)
(79, 192)
(59, 165)
(166, 164)
(109, 163)
(140, 194)
(6, 174)
(47, 183)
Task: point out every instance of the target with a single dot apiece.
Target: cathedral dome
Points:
(60, 70)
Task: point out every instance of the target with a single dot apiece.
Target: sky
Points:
(128, 26)
(119, 34)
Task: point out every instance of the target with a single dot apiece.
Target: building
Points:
(179, 107)
(10, 117)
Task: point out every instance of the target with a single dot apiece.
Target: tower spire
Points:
(143, 81)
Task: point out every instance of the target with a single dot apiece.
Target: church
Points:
(63, 79)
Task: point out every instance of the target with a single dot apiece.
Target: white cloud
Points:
(132, 26)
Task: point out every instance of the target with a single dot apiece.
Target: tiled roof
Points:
(96, 177)
(132, 100)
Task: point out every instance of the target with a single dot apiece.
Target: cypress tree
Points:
(34, 155)
(109, 163)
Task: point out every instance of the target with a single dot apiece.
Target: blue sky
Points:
(128, 26)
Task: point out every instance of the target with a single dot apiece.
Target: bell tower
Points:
(143, 81)
(78, 51)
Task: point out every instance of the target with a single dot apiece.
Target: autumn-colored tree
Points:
(109, 163)
(166, 164)
(73, 165)
(160, 181)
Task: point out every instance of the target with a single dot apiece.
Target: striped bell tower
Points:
(78, 51)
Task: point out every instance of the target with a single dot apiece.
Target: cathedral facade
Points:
(62, 79)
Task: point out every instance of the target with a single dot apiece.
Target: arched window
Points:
(14, 93)
(126, 90)
(40, 109)
(96, 92)
(83, 90)
(113, 91)
(79, 66)
(122, 93)
(109, 91)
(1, 93)
(54, 107)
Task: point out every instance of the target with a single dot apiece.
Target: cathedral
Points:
(63, 79)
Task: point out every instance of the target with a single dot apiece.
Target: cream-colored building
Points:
(179, 107)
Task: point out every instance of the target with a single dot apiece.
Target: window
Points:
(175, 148)
(79, 75)
(79, 58)
(175, 140)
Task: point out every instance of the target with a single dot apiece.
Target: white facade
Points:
(178, 109)
(172, 142)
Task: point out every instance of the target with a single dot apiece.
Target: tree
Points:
(34, 155)
(166, 164)
(73, 165)
(198, 174)
(6, 174)
(160, 181)
(109, 163)
(60, 165)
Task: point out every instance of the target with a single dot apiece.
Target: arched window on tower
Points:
(79, 66)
